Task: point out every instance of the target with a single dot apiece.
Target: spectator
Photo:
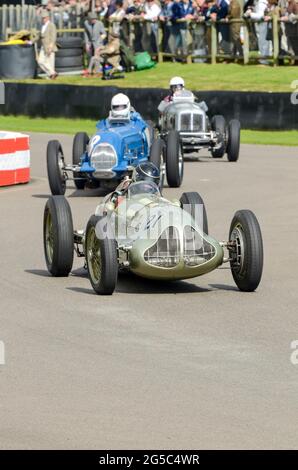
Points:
(199, 29)
(151, 13)
(223, 29)
(46, 58)
(182, 11)
(134, 14)
(291, 26)
(235, 13)
(210, 15)
(166, 25)
(109, 53)
(117, 16)
(94, 34)
(258, 14)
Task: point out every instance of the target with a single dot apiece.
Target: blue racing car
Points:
(120, 143)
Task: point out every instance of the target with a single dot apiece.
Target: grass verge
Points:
(69, 126)
(197, 77)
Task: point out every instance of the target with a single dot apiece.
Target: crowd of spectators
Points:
(185, 24)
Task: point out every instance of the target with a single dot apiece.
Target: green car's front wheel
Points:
(101, 255)
(246, 250)
(58, 236)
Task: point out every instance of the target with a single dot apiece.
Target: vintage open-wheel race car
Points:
(116, 148)
(186, 121)
(138, 230)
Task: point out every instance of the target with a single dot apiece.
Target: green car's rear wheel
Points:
(58, 236)
(246, 251)
(101, 255)
(192, 203)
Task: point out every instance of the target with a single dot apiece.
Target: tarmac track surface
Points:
(194, 364)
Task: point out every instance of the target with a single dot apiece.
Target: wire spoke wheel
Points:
(101, 255)
(49, 236)
(94, 256)
(238, 254)
(246, 250)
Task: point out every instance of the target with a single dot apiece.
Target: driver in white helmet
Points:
(120, 107)
(121, 111)
(176, 84)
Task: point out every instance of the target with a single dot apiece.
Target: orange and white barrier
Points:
(14, 158)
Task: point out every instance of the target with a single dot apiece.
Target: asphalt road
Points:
(193, 364)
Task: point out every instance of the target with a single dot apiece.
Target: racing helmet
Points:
(120, 106)
(146, 171)
(176, 83)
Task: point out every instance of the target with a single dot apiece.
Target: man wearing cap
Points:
(111, 52)
(46, 58)
(95, 33)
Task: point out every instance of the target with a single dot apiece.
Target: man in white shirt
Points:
(258, 13)
(151, 13)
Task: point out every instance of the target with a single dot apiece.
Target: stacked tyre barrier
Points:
(14, 158)
(69, 57)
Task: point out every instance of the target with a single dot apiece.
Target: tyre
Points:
(79, 146)
(233, 140)
(247, 253)
(156, 157)
(101, 255)
(71, 52)
(174, 160)
(69, 61)
(191, 202)
(69, 42)
(55, 166)
(218, 124)
(58, 236)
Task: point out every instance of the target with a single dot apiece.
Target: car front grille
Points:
(185, 122)
(197, 123)
(191, 122)
(103, 158)
(165, 252)
(196, 250)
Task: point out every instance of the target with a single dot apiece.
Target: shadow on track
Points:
(128, 283)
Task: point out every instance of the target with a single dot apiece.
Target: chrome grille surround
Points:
(103, 157)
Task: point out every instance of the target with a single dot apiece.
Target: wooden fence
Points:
(14, 18)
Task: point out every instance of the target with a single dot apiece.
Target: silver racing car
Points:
(136, 229)
(185, 120)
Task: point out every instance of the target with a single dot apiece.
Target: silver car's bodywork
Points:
(157, 239)
(190, 119)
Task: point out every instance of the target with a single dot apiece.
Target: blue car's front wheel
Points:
(80, 142)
